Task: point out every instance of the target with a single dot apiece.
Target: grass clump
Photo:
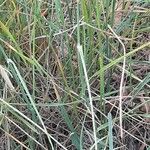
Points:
(74, 74)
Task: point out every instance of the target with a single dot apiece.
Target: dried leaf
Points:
(4, 74)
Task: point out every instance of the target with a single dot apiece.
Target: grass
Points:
(74, 74)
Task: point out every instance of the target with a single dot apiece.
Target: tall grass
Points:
(74, 74)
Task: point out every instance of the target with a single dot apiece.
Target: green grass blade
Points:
(114, 62)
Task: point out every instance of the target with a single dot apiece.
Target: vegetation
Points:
(75, 74)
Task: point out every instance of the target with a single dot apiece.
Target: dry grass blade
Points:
(5, 76)
(11, 136)
(122, 80)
